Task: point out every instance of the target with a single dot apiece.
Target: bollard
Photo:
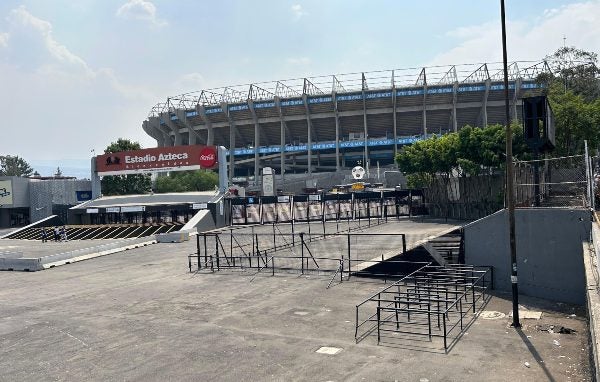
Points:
(205, 251)
(274, 243)
(349, 258)
(302, 250)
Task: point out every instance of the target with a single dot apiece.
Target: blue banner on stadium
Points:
(82, 196)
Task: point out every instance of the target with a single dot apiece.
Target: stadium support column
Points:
(282, 138)
(256, 143)
(395, 122)
(515, 112)
(191, 132)
(425, 108)
(454, 100)
(158, 125)
(209, 128)
(337, 131)
(365, 127)
(225, 109)
(166, 117)
(153, 131)
(309, 136)
(484, 117)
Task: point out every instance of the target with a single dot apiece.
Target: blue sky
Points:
(77, 75)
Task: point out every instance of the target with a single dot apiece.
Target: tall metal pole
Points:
(510, 196)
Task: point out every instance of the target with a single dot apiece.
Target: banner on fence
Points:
(269, 213)
(238, 214)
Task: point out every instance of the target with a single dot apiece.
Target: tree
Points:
(14, 166)
(186, 181)
(575, 120)
(125, 184)
(573, 90)
(575, 70)
(470, 151)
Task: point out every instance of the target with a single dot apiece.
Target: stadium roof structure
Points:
(342, 118)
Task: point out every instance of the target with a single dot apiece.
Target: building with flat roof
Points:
(25, 200)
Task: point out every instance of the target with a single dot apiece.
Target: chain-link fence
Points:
(554, 182)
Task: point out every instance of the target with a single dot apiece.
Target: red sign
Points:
(208, 157)
(174, 158)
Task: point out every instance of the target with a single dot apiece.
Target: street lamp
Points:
(510, 197)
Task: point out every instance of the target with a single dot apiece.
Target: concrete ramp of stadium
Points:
(433, 235)
(388, 241)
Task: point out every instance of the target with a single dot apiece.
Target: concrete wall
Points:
(394, 178)
(20, 191)
(590, 257)
(20, 194)
(46, 193)
(549, 251)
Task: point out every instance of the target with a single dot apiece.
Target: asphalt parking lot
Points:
(139, 315)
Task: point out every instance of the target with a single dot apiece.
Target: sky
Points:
(77, 75)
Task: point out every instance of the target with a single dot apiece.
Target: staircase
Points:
(90, 232)
(450, 247)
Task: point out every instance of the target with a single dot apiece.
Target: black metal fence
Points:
(326, 207)
(340, 253)
(433, 301)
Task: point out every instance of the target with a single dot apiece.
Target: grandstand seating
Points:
(434, 100)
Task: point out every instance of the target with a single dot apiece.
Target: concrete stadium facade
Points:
(320, 123)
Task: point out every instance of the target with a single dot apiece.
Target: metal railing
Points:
(432, 301)
(554, 182)
(358, 253)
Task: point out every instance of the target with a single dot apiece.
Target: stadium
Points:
(328, 123)
(277, 282)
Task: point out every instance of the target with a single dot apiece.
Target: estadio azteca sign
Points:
(174, 158)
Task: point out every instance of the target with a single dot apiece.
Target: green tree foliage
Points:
(125, 184)
(575, 120)
(574, 94)
(186, 181)
(575, 70)
(471, 151)
(14, 166)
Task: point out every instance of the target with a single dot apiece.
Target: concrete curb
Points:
(51, 261)
(94, 255)
(590, 259)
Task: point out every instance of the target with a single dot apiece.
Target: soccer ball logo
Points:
(358, 172)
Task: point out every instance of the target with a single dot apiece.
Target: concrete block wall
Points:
(549, 251)
(45, 193)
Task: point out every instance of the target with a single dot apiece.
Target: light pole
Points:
(510, 197)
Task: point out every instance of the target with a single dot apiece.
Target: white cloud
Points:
(44, 56)
(190, 81)
(34, 38)
(527, 40)
(4, 39)
(140, 10)
(76, 105)
(298, 12)
(298, 60)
